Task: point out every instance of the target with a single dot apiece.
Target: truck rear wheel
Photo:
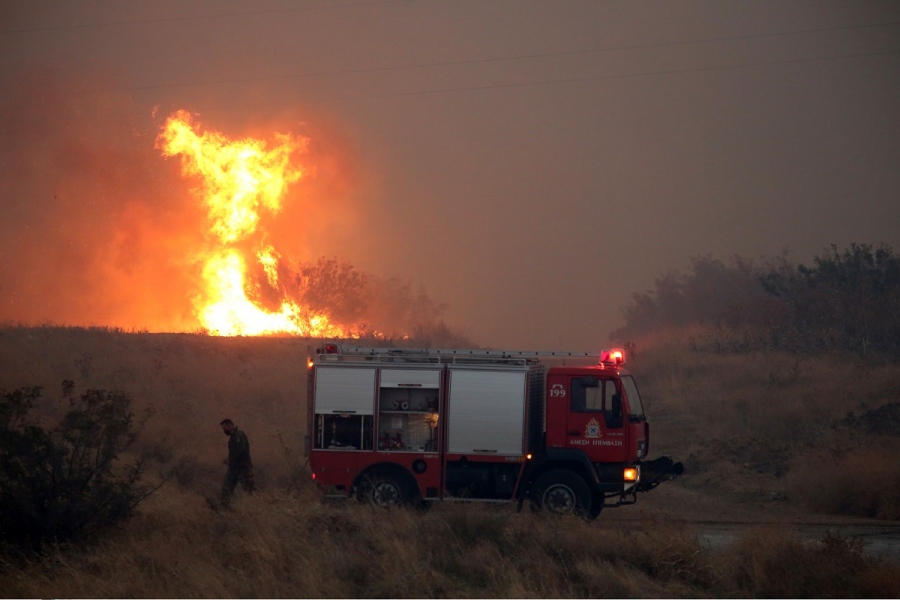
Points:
(384, 490)
(562, 493)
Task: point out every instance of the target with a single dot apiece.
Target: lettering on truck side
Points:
(595, 442)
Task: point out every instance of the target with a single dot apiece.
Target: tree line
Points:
(846, 300)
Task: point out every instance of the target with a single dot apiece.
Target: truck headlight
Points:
(642, 449)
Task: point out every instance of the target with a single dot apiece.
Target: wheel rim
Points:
(385, 494)
(559, 499)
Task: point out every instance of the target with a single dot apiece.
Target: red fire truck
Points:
(404, 426)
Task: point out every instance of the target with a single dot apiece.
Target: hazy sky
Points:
(529, 162)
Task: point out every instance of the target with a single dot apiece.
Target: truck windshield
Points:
(634, 399)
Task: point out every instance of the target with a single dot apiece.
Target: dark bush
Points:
(66, 482)
(848, 300)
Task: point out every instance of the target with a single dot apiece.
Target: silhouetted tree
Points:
(710, 293)
(848, 299)
(370, 306)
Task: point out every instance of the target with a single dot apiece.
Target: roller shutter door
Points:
(345, 389)
(486, 412)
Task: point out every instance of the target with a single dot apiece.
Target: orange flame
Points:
(240, 178)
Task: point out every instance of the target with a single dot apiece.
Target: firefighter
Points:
(240, 468)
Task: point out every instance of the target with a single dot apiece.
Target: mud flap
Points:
(657, 471)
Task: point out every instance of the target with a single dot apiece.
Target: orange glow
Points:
(630, 474)
(239, 179)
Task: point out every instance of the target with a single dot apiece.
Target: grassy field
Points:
(819, 432)
(757, 430)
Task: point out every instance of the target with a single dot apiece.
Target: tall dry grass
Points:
(279, 544)
(742, 425)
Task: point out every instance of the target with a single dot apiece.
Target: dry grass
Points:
(769, 563)
(743, 424)
(280, 544)
(864, 482)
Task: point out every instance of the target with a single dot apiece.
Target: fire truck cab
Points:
(401, 427)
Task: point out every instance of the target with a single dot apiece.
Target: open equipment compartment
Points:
(408, 404)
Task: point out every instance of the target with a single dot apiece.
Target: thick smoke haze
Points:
(530, 163)
(90, 228)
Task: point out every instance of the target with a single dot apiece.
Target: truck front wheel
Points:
(563, 493)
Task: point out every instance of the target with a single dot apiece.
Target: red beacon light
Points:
(613, 357)
(330, 349)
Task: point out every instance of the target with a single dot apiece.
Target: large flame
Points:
(239, 178)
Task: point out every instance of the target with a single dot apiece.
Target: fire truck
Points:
(414, 426)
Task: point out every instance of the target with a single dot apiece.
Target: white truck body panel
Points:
(486, 411)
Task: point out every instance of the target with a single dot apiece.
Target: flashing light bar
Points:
(613, 357)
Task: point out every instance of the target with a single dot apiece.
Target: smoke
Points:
(94, 229)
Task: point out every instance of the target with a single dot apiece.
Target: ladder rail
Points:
(340, 352)
(490, 353)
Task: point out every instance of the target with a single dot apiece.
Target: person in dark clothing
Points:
(240, 467)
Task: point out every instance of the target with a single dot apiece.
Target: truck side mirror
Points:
(615, 414)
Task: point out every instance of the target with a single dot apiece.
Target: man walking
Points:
(240, 468)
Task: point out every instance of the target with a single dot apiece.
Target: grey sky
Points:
(530, 162)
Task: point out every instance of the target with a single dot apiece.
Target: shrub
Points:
(64, 483)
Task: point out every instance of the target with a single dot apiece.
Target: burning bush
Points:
(381, 308)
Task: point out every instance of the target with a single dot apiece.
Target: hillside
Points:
(191, 382)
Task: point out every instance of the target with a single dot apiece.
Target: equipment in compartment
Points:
(407, 430)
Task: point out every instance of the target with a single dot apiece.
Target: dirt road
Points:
(719, 520)
(878, 539)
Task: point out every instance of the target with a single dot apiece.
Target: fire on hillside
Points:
(237, 180)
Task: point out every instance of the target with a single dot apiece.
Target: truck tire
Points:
(384, 490)
(562, 492)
